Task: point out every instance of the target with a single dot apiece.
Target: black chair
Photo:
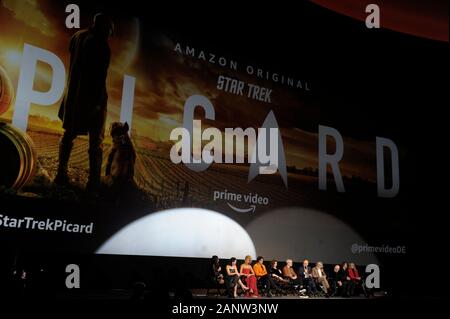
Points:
(360, 286)
(319, 287)
(261, 287)
(292, 288)
(213, 284)
(215, 287)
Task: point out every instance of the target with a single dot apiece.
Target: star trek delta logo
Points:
(265, 151)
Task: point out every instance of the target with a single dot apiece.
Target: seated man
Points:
(263, 277)
(335, 280)
(306, 275)
(290, 275)
(320, 277)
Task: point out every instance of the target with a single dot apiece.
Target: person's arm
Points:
(293, 274)
(255, 269)
(286, 273)
(97, 59)
(347, 275)
(240, 270)
(275, 275)
(258, 271)
(227, 268)
(351, 274)
(340, 277)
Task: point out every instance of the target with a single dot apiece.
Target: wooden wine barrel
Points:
(17, 157)
(6, 91)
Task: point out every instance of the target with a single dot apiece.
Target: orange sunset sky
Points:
(164, 80)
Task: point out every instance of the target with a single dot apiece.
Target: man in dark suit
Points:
(306, 274)
(83, 109)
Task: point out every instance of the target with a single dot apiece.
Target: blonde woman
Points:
(248, 275)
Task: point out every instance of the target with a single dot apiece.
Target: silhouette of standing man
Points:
(83, 109)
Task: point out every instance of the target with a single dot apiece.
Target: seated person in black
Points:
(232, 279)
(336, 282)
(216, 274)
(275, 273)
(345, 279)
(277, 276)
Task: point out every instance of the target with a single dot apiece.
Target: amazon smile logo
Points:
(241, 203)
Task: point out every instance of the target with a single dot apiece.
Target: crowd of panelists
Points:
(255, 279)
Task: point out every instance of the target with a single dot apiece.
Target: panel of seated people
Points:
(253, 279)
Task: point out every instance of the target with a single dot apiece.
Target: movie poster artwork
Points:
(148, 200)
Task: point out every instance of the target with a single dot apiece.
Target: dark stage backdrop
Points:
(355, 166)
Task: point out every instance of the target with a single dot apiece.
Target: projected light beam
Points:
(182, 232)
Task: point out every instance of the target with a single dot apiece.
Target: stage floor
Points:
(202, 294)
(192, 294)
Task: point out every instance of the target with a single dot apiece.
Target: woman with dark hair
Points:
(277, 276)
(345, 279)
(276, 273)
(233, 279)
(262, 275)
(216, 270)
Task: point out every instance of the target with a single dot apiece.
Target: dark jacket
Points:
(342, 275)
(335, 276)
(84, 104)
(301, 271)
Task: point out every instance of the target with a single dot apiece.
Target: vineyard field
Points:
(175, 185)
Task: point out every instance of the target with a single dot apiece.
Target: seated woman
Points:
(355, 279)
(276, 273)
(217, 276)
(249, 277)
(277, 276)
(345, 279)
(233, 279)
